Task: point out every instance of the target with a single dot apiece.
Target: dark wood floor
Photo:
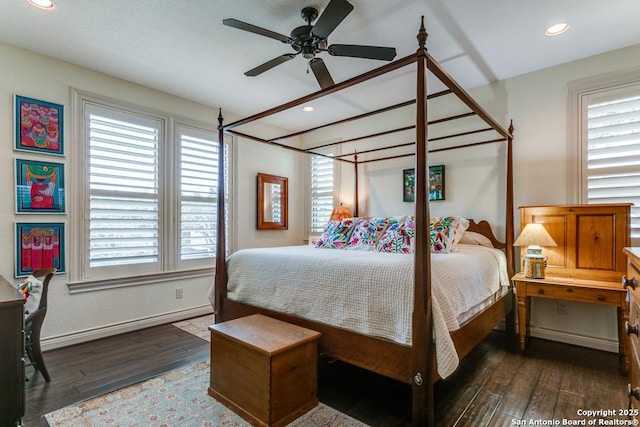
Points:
(494, 385)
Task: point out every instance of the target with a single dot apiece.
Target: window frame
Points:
(169, 266)
(580, 93)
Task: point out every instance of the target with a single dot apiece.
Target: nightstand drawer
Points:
(599, 296)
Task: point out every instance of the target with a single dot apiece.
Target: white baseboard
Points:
(78, 337)
(581, 340)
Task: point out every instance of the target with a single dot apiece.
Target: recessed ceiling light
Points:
(556, 29)
(307, 109)
(42, 4)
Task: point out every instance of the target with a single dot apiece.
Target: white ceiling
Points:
(181, 46)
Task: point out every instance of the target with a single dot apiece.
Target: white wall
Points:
(253, 157)
(82, 316)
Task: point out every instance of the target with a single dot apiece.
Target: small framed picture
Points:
(39, 187)
(38, 126)
(39, 245)
(408, 185)
(436, 184)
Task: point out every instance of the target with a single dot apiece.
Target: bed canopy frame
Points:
(413, 364)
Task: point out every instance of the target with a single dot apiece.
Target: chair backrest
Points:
(45, 275)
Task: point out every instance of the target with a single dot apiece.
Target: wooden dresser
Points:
(631, 281)
(12, 399)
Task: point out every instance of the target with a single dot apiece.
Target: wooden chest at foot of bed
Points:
(264, 369)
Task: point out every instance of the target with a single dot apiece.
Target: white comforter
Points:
(367, 292)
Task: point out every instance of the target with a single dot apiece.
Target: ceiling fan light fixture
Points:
(556, 29)
(308, 51)
(41, 4)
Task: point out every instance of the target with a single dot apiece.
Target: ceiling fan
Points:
(310, 40)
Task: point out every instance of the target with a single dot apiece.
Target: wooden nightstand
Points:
(569, 289)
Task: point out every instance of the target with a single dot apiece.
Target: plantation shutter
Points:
(321, 192)
(123, 188)
(198, 193)
(613, 154)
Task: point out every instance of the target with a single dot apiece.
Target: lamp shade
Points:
(534, 235)
(340, 212)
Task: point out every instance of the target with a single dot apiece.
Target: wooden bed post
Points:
(422, 320)
(510, 213)
(355, 172)
(221, 248)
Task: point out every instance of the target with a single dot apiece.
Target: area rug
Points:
(198, 326)
(178, 398)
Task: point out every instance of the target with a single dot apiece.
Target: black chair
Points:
(33, 325)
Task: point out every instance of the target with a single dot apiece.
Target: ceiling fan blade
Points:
(321, 72)
(230, 22)
(269, 64)
(332, 15)
(359, 51)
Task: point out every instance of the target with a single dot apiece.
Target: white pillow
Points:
(473, 238)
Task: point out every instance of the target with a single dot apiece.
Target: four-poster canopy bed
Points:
(412, 363)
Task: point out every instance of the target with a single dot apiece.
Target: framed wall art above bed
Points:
(436, 183)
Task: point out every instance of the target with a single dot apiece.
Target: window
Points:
(611, 160)
(322, 183)
(124, 186)
(149, 194)
(199, 193)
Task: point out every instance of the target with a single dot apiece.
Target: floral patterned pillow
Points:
(398, 237)
(336, 234)
(446, 232)
(367, 232)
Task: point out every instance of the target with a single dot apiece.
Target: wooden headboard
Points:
(590, 239)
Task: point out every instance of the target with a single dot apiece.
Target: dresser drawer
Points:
(634, 353)
(599, 296)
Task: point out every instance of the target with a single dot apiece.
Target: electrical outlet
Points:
(179, 292)
(562, 307)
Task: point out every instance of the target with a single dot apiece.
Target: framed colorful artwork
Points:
(408, 185)
(39, 245)
(39, 187)
(38, 126)
(436, 184)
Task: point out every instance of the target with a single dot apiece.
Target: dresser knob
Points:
(570, 290)
(633, 392)
(635, 329)
(541, 291)
(629, 282)
(601, 298)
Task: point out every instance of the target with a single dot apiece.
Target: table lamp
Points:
(534, 236)
(340, 212)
